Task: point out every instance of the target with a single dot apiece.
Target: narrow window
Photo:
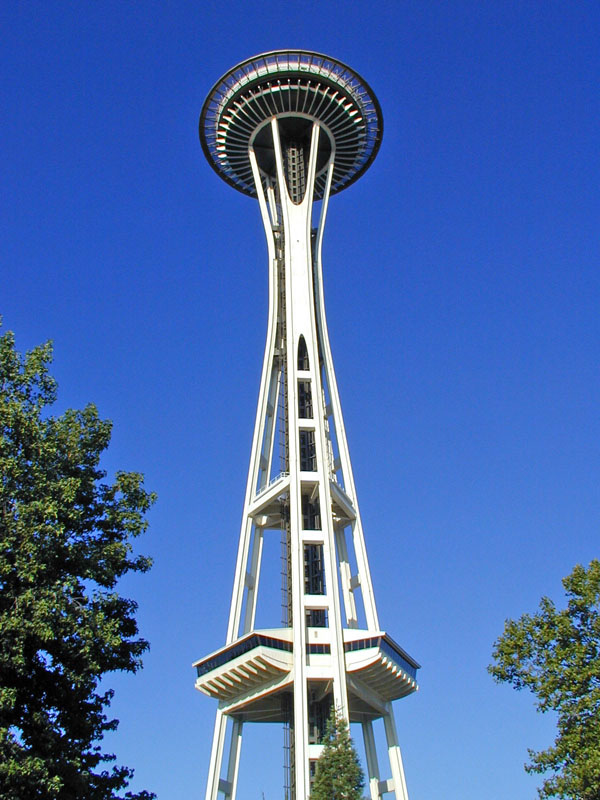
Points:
(308, 451)
(316, 618)
(318, 714)
(313, 771)
(311, 513)
(302, 355)
(314, 571)
(305, 410)
(314, 583)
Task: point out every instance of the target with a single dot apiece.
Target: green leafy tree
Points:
(339, 775)
(556, 655)
(65, 539)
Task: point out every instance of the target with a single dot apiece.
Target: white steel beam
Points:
(395, 754)
(372, 762)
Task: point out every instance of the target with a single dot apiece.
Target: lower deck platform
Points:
(252, 678)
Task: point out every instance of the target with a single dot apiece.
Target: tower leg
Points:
(227, 786)
(234, 760)
(372, 763)
(216, 756)
(395, 754)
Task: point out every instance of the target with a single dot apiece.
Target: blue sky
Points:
(462, 289)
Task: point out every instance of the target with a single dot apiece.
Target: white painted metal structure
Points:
(292, 127)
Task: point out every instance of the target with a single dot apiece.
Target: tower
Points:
(291, 128)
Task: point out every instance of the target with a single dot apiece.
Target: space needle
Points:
(291, 128)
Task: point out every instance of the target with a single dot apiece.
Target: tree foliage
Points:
(339, 775)
(556, 655)
(65, 540)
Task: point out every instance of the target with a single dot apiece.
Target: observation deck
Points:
(298, 87)
(249, 676)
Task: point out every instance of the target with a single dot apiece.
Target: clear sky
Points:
(462, 289)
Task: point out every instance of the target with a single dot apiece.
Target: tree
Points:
(339, 775)
(65, 539)
(556, 655)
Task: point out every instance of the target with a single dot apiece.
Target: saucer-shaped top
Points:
(297, 86)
